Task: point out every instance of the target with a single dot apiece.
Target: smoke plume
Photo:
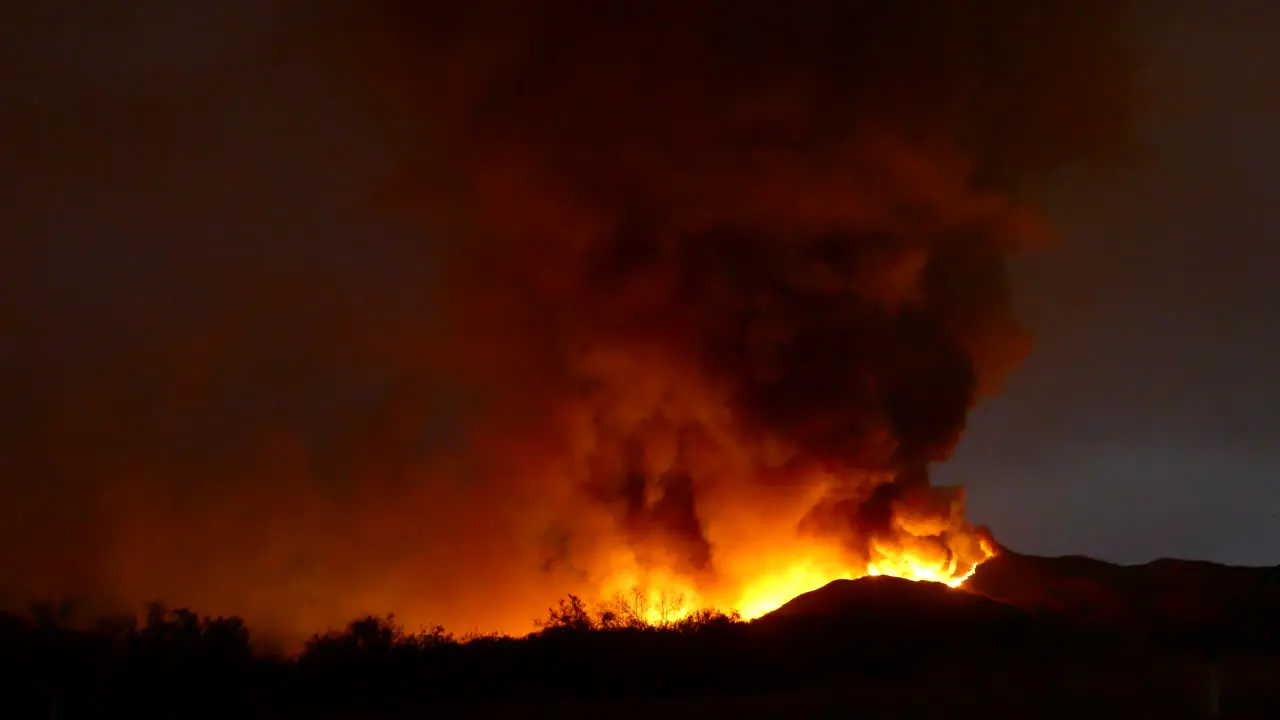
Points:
(707, 287)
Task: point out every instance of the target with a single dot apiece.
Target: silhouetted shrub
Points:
(176, 663)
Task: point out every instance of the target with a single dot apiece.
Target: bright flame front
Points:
(663, 598)
(772, 591)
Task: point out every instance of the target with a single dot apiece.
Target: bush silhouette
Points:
(177, 663)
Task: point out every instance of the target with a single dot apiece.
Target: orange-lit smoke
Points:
(722, 280)
(712, 285)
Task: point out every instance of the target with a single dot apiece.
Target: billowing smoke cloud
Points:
(742, 261)
(708, 286)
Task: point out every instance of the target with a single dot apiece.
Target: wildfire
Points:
(910, 567)
(772, 591)
(699, 344)
(663, 598)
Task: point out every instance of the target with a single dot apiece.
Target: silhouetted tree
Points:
(570, 614)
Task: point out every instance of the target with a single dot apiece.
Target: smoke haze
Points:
(700, 291)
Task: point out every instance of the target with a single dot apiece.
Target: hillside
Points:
(1032, 601)
(1162, 594)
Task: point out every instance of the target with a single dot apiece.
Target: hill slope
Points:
(1164, 591)
(1014, 596)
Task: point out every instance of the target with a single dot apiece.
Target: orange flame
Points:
(770, 592)
(665, 598)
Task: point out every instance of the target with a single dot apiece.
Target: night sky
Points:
(1141, 425)
(182, 180)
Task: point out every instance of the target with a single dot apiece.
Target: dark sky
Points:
(179, 178)
(1143, 423)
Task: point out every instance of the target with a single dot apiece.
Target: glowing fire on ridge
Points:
(773, 591)
(666, 598)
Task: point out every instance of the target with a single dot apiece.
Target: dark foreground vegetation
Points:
(872, 648)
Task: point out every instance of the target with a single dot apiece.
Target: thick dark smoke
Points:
(800, 212)
(712, 282)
